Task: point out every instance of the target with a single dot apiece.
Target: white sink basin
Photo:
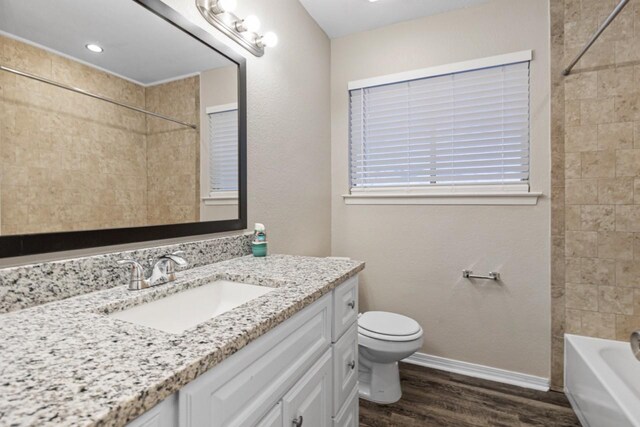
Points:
(181, 311)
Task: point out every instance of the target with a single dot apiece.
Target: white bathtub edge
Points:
(607, 383)
(576, 409)
(479, 371)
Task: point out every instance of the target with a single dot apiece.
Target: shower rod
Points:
(92, 95)
(593, 38)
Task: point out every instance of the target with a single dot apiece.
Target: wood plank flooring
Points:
(437, 398)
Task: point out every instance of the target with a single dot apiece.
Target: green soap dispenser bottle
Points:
(259, 244)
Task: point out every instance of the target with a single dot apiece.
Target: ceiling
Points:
(138, 45)
(342, 17)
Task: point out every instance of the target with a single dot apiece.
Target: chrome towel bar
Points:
(468, 274)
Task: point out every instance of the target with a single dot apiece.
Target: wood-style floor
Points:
(438, 398)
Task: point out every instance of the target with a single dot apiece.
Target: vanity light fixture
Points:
(94, 48)
(251, 23)
(269, 39)
(219, 13)
(222, 6)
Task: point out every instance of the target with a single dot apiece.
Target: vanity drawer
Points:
(244, 387)
(350, 413)
(345, 307)
(345, 367)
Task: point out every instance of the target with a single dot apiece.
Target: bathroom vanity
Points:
(287, 357)
(303, 372)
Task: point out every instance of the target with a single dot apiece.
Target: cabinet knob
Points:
(352, 304)
(352, 365)
(297, 422)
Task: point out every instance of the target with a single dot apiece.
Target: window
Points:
(463, 127)
(223, 149)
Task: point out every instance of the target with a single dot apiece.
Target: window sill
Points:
(223, 198)
(496, 198)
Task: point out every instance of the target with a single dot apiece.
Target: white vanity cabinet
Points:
(273, 418)
(302, 373)
(308, 403)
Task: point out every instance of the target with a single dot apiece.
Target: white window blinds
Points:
(462, 128)
(223, 150)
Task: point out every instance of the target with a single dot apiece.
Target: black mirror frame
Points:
(30, 244)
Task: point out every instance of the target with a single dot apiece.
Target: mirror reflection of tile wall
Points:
(71, 162)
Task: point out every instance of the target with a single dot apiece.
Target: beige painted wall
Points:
(415, 254)
(289, 171)
(217, 87)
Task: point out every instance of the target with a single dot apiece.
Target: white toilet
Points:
(383, 340)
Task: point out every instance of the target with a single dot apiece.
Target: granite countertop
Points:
(67, 363)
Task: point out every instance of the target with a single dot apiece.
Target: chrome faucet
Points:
(163, 271)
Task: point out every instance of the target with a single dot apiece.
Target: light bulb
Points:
(251, 23)
(269, 39)
(222, 6)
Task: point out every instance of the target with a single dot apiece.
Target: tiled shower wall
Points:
(173, 153)
(596, 174)
(70, 162)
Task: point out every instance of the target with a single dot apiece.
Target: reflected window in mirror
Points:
(223, 154)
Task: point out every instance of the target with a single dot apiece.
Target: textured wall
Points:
(69, 162)
(415, 254)
(597, 117)
(173, 152)
(289, 171)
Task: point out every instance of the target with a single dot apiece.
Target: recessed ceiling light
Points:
(94, 48)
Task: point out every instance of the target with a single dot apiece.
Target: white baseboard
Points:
(479, 371)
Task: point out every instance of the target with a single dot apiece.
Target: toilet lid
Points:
(389, 324)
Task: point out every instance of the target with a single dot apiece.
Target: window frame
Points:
(482, 194)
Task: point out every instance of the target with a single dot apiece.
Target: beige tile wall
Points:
(68, 162)
(596, 173)
(173, 153)
(71, 162)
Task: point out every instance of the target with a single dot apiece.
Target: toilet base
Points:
(379, 382)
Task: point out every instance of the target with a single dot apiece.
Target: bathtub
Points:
(602, 381)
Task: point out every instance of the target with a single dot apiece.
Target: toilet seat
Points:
(384, 326)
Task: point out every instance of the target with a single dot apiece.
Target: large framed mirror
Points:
(120, 122)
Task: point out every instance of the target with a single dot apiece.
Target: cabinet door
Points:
(273, 418)
(345, 307)
(345, 367)
(348, 415)
(164, 414)
(308, 403)
(244, 387)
